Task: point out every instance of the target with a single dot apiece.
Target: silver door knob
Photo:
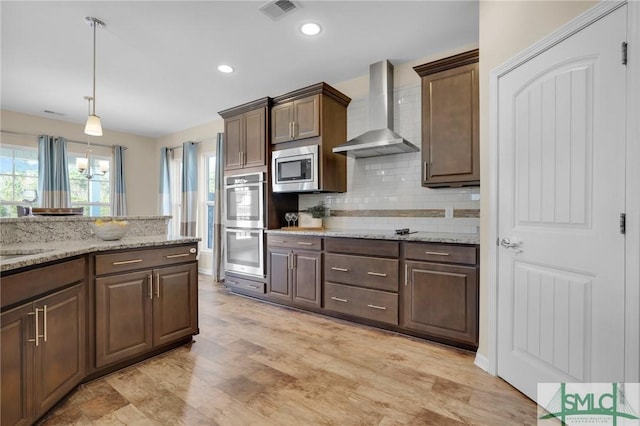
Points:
(505, 242)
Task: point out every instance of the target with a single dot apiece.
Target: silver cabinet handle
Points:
(382, 308)
(37, 327)
(376, 274)
(158, 285)
(231, 282)
(150, 285)
(173, 256)
(126, 262)
(45, 323)
(406, 274)
(290, 260)
(240, 157)
(426, 177)
(254, 286)
(293, 130)
(437, 253)
(335, 268)
(293, 261)
(304, 243)
(338, 299)
(278, 241)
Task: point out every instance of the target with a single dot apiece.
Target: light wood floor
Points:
(258, 364)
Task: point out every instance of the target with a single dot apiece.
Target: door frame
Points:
(632, 240)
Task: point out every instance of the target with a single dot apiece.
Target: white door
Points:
(561, 191)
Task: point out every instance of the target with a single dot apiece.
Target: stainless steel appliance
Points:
(245, 223)
(244, 251)
(295, 169)
(244, 206)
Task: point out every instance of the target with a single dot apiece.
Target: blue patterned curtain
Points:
(119, 201)
(218, 249)
(165, 182)
(189, 208)
(53, 172)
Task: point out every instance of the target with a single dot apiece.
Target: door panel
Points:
(175, 303)
(279, 274)
(281, 119)
(307, 117)
(307, 274)
(16, 371)
(61, 357)
(233, 128)
(123, 316)
(255, 144)
(561, 190)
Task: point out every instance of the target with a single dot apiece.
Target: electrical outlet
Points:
(448, 213)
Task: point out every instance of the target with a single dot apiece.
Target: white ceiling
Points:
(157, 60)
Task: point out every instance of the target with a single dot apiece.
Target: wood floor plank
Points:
(255, 363)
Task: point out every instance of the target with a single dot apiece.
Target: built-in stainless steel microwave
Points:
(295, 169)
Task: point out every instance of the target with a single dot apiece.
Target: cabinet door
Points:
(123, 316)
(60, 359)
(255, 143)
(233, 136)
(281, 119)
(307, 276)
(450, 139)
(16, 371)
(306, 117)
(442, 300)
(175, 303)
(280, 274)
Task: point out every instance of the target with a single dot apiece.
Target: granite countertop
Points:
(36, 253)
(428, 237)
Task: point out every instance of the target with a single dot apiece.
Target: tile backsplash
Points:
(385, 193)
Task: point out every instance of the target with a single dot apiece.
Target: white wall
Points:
(140, 169)
(506, 28)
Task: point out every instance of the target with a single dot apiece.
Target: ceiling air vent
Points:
(277, 9)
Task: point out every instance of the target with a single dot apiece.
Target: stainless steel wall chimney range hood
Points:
(381, 140)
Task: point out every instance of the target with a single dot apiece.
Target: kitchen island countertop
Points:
(21, 255)
(428, 237)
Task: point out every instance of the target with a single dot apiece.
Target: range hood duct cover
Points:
(382, 140)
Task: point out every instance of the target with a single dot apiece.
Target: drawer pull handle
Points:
(150, 286)
(254, 286)
(171, 256)
(382, 308)
(338, 299)
(437, 253)
(335, 268)
(126, 262)
(278, 241)
(232, 282)
(376, 274)
(158, 285)
(304, 243)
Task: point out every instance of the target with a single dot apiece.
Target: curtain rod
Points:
(171, 148)
(68, 140)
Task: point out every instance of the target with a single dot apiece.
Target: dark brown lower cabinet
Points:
(295, 276)
(442, 301)
(138, 311)
(43, 353)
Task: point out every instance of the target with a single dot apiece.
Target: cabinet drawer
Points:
(441, 253)
(295, 242)
(40, 280)
(130, 260)
(363, 247)
(381, 274)
(246, 285)
(361, 302)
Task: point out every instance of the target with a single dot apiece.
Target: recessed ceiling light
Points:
(310, 29)
(225, 69)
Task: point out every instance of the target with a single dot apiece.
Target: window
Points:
(93, 194)
(210, 197)
(18, 172)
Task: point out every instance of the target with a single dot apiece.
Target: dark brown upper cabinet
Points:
(299, 119)
(245, 130)
(314, 115)
(450, 121)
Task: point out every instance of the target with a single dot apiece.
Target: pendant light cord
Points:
(94, 66)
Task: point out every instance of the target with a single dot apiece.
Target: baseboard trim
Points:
(482, 362)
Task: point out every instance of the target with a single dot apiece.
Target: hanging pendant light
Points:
(93, 126)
